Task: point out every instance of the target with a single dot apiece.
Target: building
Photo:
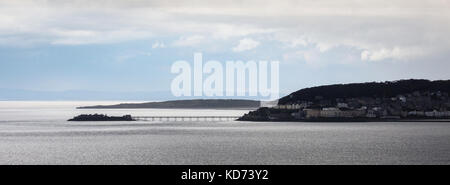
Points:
(342, 105)
(312, 113)
(333, 112)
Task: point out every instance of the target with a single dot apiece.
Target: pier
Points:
(185, 118)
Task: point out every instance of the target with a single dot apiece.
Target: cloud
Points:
(82, 37)
(189, 41)
(245, 44)
(158, 44)
(310, 57)
(407, 29)
(365, 55)
(394, 53)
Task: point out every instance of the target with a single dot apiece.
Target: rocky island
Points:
(101, 117)
(375, 101)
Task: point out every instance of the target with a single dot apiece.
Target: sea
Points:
(36, 132)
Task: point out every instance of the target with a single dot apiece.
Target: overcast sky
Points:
(129, 45)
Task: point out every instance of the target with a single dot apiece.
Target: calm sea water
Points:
(37, 133)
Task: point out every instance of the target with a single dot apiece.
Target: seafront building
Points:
(414, 105)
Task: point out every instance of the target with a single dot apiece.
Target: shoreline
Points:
(341, 120)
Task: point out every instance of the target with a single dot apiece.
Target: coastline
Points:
(196, 108)
(340, 120)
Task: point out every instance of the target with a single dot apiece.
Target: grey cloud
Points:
(397, 29)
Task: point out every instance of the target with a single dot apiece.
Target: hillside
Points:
(370, 89)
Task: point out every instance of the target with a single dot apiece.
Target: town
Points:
(415, 105)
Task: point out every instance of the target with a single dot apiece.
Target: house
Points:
(312, 113)
(371, 114)
(402, 98)
(342, 105)
(331, 112)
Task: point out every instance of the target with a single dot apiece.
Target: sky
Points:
(128, 46)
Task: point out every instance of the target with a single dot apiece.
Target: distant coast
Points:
(185, 104)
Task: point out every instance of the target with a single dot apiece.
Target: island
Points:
(101, 117)
(185, 104)
(413, 99)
